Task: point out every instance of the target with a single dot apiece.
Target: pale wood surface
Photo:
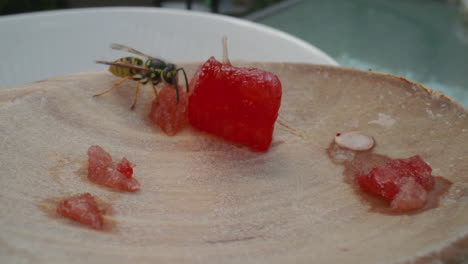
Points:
(205, 201)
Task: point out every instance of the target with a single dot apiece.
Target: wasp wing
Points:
(125, 65)
(131, 50)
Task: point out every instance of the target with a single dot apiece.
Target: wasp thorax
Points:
(155, 64)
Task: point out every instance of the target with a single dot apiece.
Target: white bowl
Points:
(47, 44)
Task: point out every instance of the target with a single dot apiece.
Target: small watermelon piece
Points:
(83, 209)
(405, 182)
(169, 115)
(410, 197)
(125, 167)
(103, 171)
(238, 104)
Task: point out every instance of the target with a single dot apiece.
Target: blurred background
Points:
(423, 40)
(228, 7)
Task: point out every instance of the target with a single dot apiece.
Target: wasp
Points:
(152, 70)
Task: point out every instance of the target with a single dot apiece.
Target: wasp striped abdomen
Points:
(123, 71)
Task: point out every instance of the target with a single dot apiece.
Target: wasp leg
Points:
(137, 92)
(154, 83)
(113, 86)
(140, 80)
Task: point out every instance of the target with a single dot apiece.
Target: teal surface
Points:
(422, 40)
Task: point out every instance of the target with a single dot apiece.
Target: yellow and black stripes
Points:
(156, 74)
(125, 72)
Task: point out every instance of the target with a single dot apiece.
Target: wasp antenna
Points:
(185, 77)
(176, 88)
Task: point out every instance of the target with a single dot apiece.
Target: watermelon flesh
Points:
(125, 167)
(103, 171)
(404, 182)
(82, 208)
(411, 195)
(237, 104)
(169, 115)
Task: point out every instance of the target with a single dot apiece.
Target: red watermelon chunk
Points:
(125, 167)
(103, 171)
(411, 195)
(238, 104)
(83, 209)
(404, 182)
(169, 115)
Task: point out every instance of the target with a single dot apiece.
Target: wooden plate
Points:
(206, 201)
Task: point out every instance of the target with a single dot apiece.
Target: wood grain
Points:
(206, 201)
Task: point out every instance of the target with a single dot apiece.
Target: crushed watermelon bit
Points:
(237, 104)
(169, 115)
(103, 171)
(411, 195)
(125, 167)
(83, 209)
(404, 182)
